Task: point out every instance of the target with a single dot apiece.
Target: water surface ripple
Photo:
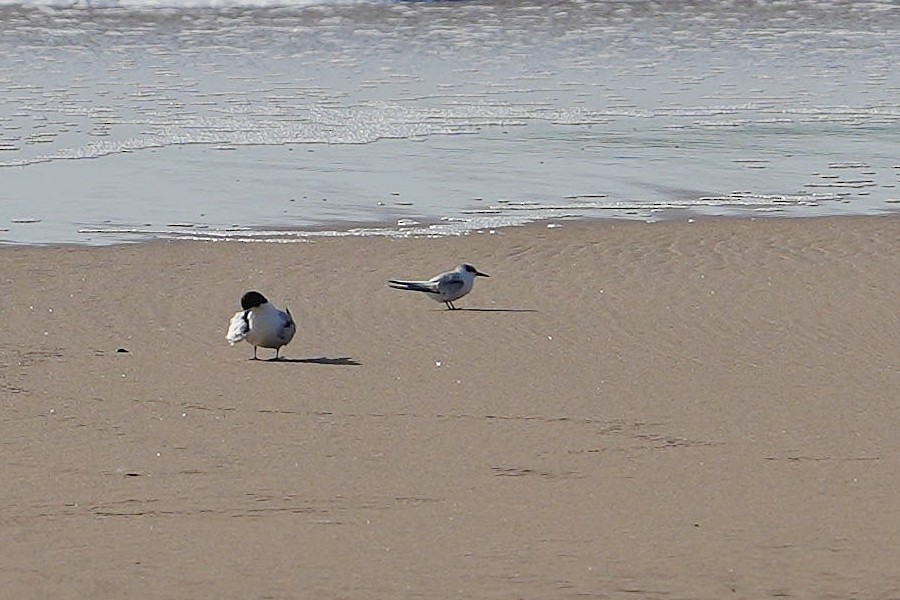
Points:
(251, 120)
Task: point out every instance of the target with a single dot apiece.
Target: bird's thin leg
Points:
(277, 352)
(254, 354)
(450, 305)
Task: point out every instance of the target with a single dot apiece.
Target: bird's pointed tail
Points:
(415, 286)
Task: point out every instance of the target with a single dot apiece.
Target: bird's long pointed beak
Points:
(480, 274)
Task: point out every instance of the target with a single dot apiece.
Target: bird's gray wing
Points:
(450, 283)
(288, 327)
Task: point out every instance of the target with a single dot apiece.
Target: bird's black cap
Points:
(472, 269)
(252, 299)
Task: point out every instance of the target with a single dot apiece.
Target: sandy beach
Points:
(623, 410)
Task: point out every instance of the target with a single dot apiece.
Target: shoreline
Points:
(425, 229)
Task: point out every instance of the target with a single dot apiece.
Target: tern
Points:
(446, 287)
(261, 324)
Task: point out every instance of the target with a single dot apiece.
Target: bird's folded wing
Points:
(239, 327)
(450, 285)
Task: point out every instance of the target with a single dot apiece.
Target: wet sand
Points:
(623, 410)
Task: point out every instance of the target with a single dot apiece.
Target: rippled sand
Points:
(662, 410)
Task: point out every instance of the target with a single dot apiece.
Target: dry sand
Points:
(705, 410)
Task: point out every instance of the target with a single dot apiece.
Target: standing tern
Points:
(261, 324)
(445, 287)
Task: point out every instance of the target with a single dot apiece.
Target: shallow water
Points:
(245, 121)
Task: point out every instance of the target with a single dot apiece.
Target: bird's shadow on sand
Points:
(506, 310)
(344, 361)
